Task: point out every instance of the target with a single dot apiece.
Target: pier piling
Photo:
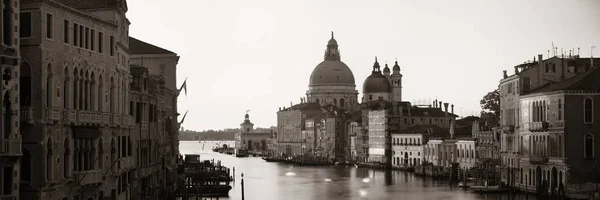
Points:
(242, 186)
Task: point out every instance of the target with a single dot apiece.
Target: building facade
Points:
(250, 140)
(10, 142)
(76, 129)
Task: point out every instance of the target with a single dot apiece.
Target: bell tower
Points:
(247, 126)
(396, 82)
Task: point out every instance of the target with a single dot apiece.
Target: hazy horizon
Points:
(258, 55)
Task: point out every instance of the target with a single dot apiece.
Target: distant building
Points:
(408, 144)
(252, 141)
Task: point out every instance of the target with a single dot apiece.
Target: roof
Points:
(140, 47)
(431, 129)
(429, 112)
(304, 107)
(587, 81)
(93, 4)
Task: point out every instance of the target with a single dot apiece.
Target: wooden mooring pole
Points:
(242, 186)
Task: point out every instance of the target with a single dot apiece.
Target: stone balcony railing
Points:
(88, 177)
(26, 114)
(10, 147)
(53, 114)
(8, 197)
(96, 118)
(538, 159)
(538, 126)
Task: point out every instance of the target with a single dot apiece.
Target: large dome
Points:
(332, 73)
(376, 83)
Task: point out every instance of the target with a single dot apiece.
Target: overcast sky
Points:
(258, 55)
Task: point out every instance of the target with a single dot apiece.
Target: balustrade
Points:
(10, 147)
(88, 177)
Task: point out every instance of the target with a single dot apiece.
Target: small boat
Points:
(268, 159)
(487, 189)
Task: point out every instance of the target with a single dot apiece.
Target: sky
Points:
(258, 55)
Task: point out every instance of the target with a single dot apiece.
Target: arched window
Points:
(75, 89)
(25, 85)
(100, 94)
(7, 106)
(49, 160)
(588, 106)
(66, 158)
(66, 88)
(589, 146)
(342, 102)
(49, 87)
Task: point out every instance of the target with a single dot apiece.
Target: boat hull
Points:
(210, 191)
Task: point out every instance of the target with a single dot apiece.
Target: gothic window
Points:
(75, 88)
(66, 88)
(66, 158)
(49, 86)
(560, 109)
(49, 160)
(588, 106)
(7, 115)
(588, 146)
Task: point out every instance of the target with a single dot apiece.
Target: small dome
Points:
(376, 83)
(386, 69)
(396, 67)
(331, 72)
(332, 42)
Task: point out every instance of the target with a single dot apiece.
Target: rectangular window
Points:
(526, 84)
(92, 39)
(112, 46)
(87, 38)
(75, 34)
(66, 31)
(100, 42)
(81, 36)
(25, 24)
(49, 26)
(7, 23)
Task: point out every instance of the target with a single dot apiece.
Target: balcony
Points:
(27, 115)
(10, 147)
(127, 162)
(508, 129)
(536, 159)
(88, 177)
(105, 118)
(538, 126)
(53, 114)
(70, 116)
(8, 197)
(116, 119)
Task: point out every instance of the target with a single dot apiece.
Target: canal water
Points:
(278, 181)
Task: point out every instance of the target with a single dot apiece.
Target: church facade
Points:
(303, 129)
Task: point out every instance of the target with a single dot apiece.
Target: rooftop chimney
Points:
(441, 105)
(540, 57)
(435, 103)
(452, 108)
(432, 104)
(446, 108)
(505, 74)
(279, 108)
(516, 69)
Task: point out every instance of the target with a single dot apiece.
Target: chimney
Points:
(432, 104)
(440, 105)
(435, 103)
(291, 104)
(505, 74)
(516, 69)
(446, 108)
(452, 108)
(540, 57)
(279, 108)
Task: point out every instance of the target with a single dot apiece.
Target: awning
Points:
(86, 132)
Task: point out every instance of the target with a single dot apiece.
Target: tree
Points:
(490, 103)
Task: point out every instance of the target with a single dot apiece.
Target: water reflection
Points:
(274, 181)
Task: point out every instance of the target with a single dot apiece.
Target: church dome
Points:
(331, 72)
(376, 82)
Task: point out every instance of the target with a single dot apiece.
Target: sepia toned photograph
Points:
(300, 100)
